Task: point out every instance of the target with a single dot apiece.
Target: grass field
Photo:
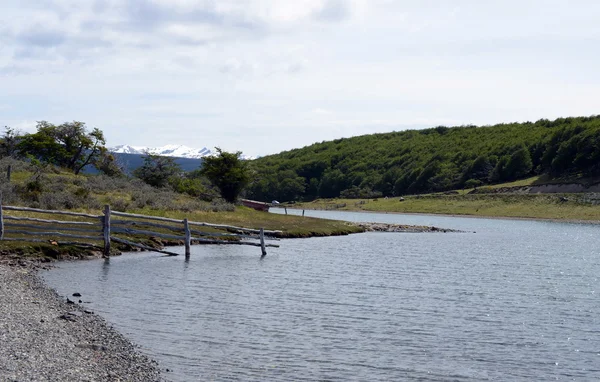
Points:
(537, 206)
(292, 226)
(461, 202)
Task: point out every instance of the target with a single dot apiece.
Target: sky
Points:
(263, 76)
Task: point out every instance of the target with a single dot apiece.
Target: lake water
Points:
(517, 300)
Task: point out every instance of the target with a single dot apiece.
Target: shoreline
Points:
(44, 338)
(49, 254)
(556, 220)
(404, 228)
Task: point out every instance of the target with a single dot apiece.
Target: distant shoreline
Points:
(556, 220)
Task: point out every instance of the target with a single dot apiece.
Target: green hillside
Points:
(431, 160)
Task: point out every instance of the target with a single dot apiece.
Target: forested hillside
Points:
(436, 159)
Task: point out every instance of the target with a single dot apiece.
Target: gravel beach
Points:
(387, 227)
(44, 338)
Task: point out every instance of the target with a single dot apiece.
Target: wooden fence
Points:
(100, 230)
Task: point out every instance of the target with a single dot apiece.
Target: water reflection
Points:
(105, 269)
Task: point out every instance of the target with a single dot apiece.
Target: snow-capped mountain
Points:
(126, 149)
(178, 151)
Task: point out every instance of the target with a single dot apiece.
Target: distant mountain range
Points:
(189, 159)
(178, 151)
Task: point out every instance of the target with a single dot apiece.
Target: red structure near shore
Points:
(259, 206)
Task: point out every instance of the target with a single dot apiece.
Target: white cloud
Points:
(320, 111)
(244, 75)
(24, 126)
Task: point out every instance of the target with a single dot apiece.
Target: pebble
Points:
(385, 227)
(42, 338)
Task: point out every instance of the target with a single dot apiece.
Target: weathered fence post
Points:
(262, 242)
(1, 219)
(188, 238)
(285, 208)
(8, 173)
(106, 230)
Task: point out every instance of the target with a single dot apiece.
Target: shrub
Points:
(119, 204)
(473, 183)
(9, 194)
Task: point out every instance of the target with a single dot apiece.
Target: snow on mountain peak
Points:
(178, 151)
(126, 149)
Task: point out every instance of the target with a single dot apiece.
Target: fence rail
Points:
(101, 229)
(199, 224)
(53, 212)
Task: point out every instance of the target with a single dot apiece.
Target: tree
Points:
(499, 173)
(107, 164)
(157, 170)
(8, 142)
(332, 183)
(69, 145)
(289, 185)
(422, 183)
(480, 169)
(399, 162)
(227, 172)
(473, 183)
(519, 164)
(194, 184)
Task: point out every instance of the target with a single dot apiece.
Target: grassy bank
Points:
(500, 200)
(538, 206)
(58, 189)
(292, 227)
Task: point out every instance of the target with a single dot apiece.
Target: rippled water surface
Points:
(517, 300)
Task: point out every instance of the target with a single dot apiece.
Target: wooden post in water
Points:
(262, 243)
(1, 219)
(285, 208)
(106, 230)
(302, 213)
(188, 238)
